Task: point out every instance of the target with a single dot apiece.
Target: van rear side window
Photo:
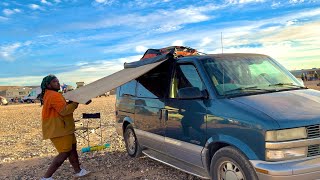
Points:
(128, 89)
(155, 83)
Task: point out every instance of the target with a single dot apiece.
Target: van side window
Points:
(155, 83)
(128, 89)
(185, 76)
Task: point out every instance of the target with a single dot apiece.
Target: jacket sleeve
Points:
(59, 104)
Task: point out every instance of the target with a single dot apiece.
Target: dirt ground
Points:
(24, 155)
(312, 84)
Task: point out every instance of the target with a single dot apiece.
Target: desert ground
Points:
(24, 155)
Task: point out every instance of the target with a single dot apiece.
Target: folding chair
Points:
(87, 126)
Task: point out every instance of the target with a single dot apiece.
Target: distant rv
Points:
(32, 96)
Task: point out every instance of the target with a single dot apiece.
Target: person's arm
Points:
(68, 109)
(60, 105)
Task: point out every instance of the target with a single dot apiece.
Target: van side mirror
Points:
(192, 93)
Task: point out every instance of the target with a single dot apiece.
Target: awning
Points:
(86, 93)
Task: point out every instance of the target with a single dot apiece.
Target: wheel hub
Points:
(230, 171)
(131, 142)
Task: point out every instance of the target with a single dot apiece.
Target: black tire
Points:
(131, 141)
(230, 162)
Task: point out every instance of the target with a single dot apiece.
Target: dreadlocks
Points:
(44, 85)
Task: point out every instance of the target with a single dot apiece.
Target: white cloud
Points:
(3, 18)
(205, 41)
(177, 43)
(86, 72)
(159, 21)
(141, 49)
(46, 2)
(9, 12)
(167, 28)
(22, 81)
(8, 52)
(275, 4)
(296, 1)
(45, 35)
(103, 2)
(243, 1)
(34, 6)
(291, 22)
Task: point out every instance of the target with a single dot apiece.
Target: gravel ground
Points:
(24, 155)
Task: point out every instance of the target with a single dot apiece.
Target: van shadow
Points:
(103, 164)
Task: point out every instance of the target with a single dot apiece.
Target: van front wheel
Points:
(131, 141)
(229, 163)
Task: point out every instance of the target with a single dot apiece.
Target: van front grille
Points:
(313, 131)
(314, 150)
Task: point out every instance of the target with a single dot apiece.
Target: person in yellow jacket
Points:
(58, 126)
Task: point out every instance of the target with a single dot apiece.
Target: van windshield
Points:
(246, 75)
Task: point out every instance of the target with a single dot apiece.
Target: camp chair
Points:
(89, 124)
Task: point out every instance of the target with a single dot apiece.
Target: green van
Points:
(223, 117)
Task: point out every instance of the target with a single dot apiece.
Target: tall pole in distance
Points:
(221, 43)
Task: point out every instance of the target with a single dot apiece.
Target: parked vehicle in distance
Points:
(32, 96)
(222, 117)
(3, 101)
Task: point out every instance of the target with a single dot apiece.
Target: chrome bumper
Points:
(304, 169)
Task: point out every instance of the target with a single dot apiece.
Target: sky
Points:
(85, 40)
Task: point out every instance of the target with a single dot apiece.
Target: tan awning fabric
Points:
(101, 86)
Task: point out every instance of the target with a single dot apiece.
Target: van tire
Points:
(131, 141)
(235, 162)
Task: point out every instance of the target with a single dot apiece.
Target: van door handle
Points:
(165, 114)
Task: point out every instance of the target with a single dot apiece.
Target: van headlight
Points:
(286, 134)
(286, 154)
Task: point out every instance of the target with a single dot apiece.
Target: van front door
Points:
(185, 133)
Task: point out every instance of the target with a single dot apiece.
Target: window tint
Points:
(185, 76)
(128, 89)
(155, 83)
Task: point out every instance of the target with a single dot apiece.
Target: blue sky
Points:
(84, 40)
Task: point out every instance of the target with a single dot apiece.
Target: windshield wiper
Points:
(288, 84)
(254, 88)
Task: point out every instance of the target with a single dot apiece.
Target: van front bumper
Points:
(304, 169)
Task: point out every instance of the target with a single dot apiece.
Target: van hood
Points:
(289, 108)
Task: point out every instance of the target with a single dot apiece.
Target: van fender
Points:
(244, 148)
(127, 120)
(122, 124)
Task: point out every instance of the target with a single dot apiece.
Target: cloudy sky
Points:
(84, 40)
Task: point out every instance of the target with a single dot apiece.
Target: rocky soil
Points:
(24, 155)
